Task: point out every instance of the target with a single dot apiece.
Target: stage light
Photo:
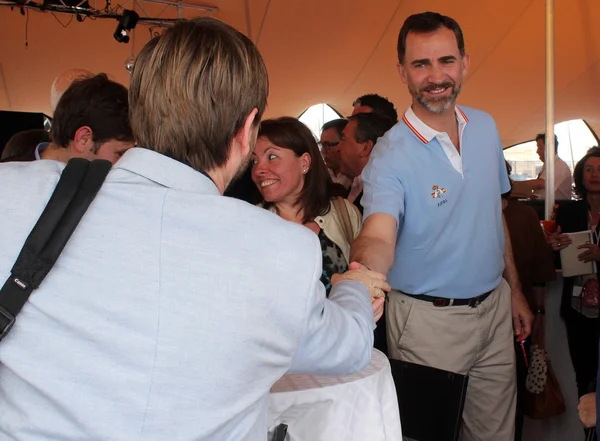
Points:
(127, 22)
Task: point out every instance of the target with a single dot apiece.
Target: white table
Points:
(360, 407)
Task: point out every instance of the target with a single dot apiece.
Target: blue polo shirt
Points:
(448, 210)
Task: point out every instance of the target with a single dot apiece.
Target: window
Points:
(315, 116)
(574, 139)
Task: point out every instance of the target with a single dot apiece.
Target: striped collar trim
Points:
(422, 130)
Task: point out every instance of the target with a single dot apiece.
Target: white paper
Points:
(571, 265)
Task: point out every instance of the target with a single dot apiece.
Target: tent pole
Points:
(550, 144)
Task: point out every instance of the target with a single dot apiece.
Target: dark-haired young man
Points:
(376, 104)
(91, 121)
(358, 139)
(433, 222)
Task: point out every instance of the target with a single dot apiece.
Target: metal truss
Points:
(91, 8)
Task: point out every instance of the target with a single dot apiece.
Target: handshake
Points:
(373, 280)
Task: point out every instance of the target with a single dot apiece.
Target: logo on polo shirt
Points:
(438, 192)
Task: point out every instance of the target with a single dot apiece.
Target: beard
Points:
(241, 171)
(243, 168)
(436, 105)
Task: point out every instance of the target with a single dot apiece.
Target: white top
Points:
(448, 147)
(562, 180)
(170, 313)
(356, 189)
(340, 178)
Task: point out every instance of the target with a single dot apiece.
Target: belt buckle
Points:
(439, 302)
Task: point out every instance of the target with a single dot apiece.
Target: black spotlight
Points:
(126, 23)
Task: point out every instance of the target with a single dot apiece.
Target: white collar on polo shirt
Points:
(425, 134)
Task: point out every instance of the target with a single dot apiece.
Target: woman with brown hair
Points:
(292, 177)
(580, 307)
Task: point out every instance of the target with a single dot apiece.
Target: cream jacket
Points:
(331, 224)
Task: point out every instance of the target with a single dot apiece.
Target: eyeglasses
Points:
(327, 144)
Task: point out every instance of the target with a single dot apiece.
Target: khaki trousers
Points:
(475, 341)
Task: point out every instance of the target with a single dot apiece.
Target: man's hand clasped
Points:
(371, 279)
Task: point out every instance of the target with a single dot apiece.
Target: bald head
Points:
(63, 81)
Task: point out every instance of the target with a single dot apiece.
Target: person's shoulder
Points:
(395, 142)
(561, 165)
(353, 210)
(523, 210)
(30, 171)
(476, 115)
(265, 224)
(571, 211)
(573, 206)
(339, 203)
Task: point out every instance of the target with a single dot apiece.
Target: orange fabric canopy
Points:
(332, 51)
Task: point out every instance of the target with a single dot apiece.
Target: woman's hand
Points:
(591, 254)
(559, 241)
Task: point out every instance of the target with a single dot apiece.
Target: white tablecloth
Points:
(360, 407)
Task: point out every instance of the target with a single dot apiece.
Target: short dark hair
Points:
(370, 126)
(580, 189)
(338, 124)
(24, 143)
(96, 102)
(289, 133)
(542, 136)
(425, 23)
(379, 104)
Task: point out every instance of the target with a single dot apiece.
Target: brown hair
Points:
(97, 102)
(580, 189)
(289, 133)
(192, 89)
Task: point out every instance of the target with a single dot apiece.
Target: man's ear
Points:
(83, 139)
(367, 149)
(246, 136)
(402, 72)
(466, 62)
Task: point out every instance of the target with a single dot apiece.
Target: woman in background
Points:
(580, 300)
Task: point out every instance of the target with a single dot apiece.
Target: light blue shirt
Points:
(450, 234)
(159, 323)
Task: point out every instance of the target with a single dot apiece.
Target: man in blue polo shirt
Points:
(433, 222)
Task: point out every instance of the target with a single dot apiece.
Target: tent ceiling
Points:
(335, 50)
